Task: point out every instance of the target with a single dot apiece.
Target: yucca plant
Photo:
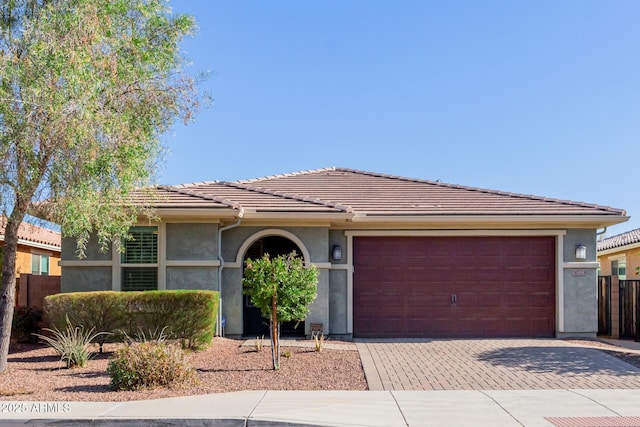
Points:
(72, 343)
(319, 341)
(259, 343)
(157, 335)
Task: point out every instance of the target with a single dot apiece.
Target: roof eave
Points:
(580, 221)
(38, 245)
(298, 216)
(197, 213)
(617, 249)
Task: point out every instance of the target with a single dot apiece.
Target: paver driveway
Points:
(519, 364)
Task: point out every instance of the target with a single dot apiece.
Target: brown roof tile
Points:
(374, 193)
(340, 190)
(623, 239)
(34, 234)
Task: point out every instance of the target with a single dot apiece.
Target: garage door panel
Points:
(403, 286)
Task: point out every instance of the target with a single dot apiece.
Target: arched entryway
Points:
(253, 322)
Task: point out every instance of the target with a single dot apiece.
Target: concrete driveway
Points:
(504, 364)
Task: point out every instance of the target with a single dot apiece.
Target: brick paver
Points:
(518, 364)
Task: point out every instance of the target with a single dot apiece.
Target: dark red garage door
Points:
(454, 287)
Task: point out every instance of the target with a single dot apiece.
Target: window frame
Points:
(39, 256)
(123, 265)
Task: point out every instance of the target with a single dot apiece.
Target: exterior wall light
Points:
(336, 252)
(581, 252)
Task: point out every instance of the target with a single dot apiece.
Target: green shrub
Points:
(101, 310)
(185, 315)
(71, 343)
(150, 364)
(188, 315)
(26, 323)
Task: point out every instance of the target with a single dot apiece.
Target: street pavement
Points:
(496, 408)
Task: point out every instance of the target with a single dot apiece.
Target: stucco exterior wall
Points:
(79, 279)
(633, 262)
(183, 242)
(23, 260)
(338, 301)
(92, 252)
(192, 241)
(197, 242)
(580, 304)
(314, 239)
(231, 300)
(192, 278)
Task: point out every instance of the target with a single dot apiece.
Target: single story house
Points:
(398, 257)
(38, 250)
(619, 255)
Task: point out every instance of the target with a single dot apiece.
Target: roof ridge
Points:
(282, 175)
(619, 235)
(293, 196)
(484, 190)
(194, 184)
(176, 189)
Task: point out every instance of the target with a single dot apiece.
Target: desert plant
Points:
(155, 335)
(150, 364)
(259, 342)
(286, 353)
(319, 342)
(26, 323)
(282, 288)
(71, 343)
(102, 310)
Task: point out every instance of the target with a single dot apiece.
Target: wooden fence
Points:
(32, 289)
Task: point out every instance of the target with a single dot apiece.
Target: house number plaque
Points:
(578, 272)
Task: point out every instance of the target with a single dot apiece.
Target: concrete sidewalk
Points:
(339, 408)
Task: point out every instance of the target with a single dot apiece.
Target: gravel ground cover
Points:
(36, 373)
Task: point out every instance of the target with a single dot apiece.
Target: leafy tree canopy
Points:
(86, 89)
(284, 278)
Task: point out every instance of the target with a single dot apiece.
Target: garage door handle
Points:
(454, 299)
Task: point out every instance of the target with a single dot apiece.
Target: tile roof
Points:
(335, 190)
(375, 193)
(623, 239)
(34, 234)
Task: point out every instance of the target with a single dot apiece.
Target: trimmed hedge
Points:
(188, 315)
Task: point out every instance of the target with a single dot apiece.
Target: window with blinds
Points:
(139, 259)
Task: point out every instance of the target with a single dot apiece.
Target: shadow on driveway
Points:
(558, 360)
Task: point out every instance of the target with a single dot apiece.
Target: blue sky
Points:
(536, 97)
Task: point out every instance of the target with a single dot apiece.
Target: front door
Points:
(254, 324)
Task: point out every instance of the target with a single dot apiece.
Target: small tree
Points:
(282, 288)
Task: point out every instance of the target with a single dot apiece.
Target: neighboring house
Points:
(398, 257)
(38, 250)
(619, 259)
(620, 255)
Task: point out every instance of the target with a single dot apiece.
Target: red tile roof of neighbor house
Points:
(335, 190)
(31, 233)
(623, 239)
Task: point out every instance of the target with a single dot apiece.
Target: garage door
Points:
(454, 287)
